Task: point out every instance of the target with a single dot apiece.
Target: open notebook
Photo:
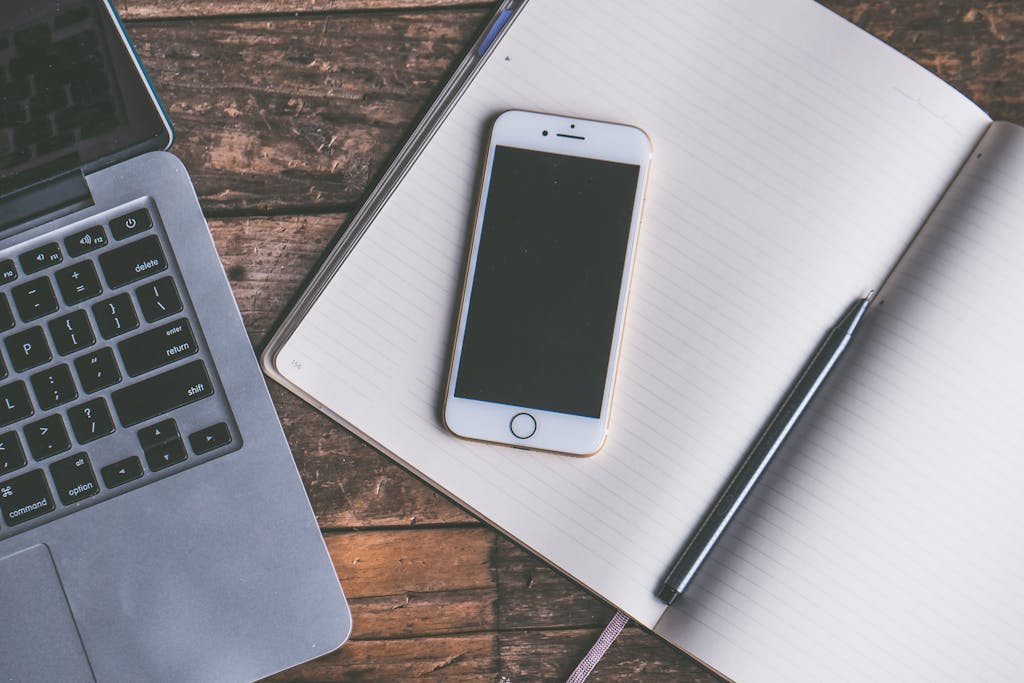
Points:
(795, 159)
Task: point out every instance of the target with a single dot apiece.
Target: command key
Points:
(24, 498)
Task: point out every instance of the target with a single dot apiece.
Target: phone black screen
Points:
(546, 287)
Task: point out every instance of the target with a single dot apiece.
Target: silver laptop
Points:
(153, 526)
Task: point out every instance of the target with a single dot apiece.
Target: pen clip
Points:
(495, 28)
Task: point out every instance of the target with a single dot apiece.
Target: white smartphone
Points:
(540, 324)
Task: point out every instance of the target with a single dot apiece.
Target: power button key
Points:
(131, 224)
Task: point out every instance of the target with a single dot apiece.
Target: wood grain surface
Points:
(286, 110)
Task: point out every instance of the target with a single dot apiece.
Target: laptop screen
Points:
(70, 93)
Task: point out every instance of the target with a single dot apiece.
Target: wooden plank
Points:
(454, 659)
(637, 655)
(267, 259)
(533, 595)
(403, 583)
(154, 9)
(284, 112)
(503, 657)
(351, 485)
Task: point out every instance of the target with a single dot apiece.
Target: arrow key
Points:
(206, 440)
(166, 454)
(159, 433)
(121, 472)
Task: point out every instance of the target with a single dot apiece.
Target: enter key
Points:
(157, 347)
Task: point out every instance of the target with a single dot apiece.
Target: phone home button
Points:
(523, 426)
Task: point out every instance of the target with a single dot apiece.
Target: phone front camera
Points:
(544, 133)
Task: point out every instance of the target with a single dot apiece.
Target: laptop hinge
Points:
(50, 199)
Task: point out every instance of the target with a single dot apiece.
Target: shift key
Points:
(164, 392)
(133, 261)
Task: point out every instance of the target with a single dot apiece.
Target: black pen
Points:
(760, 454)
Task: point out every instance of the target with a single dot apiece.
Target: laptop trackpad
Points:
(39, 640)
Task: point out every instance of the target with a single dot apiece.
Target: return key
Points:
(157, 347)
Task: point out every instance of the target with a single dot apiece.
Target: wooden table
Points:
(285, 112)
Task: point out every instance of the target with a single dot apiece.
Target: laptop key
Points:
(12, 114)
(157, 347)
(158, 433)
(86, 240)
(162, 393)
(90, 87)
(97, 370)
(91, 420)
(14, 157)
(121, 472)
(54, 386)
(34, 299)
(211, 438)
(133, 261)
(12, 456)
(33, 39)
(8, 273)
(71, 332)
(115, 316)
(158, 299)
(86, 118)
(32, 133)
(57, 143)
(6, 315)
(70, 17)
(74, 479)
(78, 283)
(47, 101)
(41, 257)
(47, 437)
(24, 498)
(28, 349)
(14, 403)
(165, 455)
(131, 224)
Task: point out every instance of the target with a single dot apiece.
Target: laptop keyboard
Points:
(106, 383)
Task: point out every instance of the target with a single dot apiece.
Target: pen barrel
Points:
(754, 463)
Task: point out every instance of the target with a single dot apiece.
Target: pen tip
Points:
(870, 295)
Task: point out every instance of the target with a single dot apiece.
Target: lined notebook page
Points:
(888, 542)
(794, 158)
